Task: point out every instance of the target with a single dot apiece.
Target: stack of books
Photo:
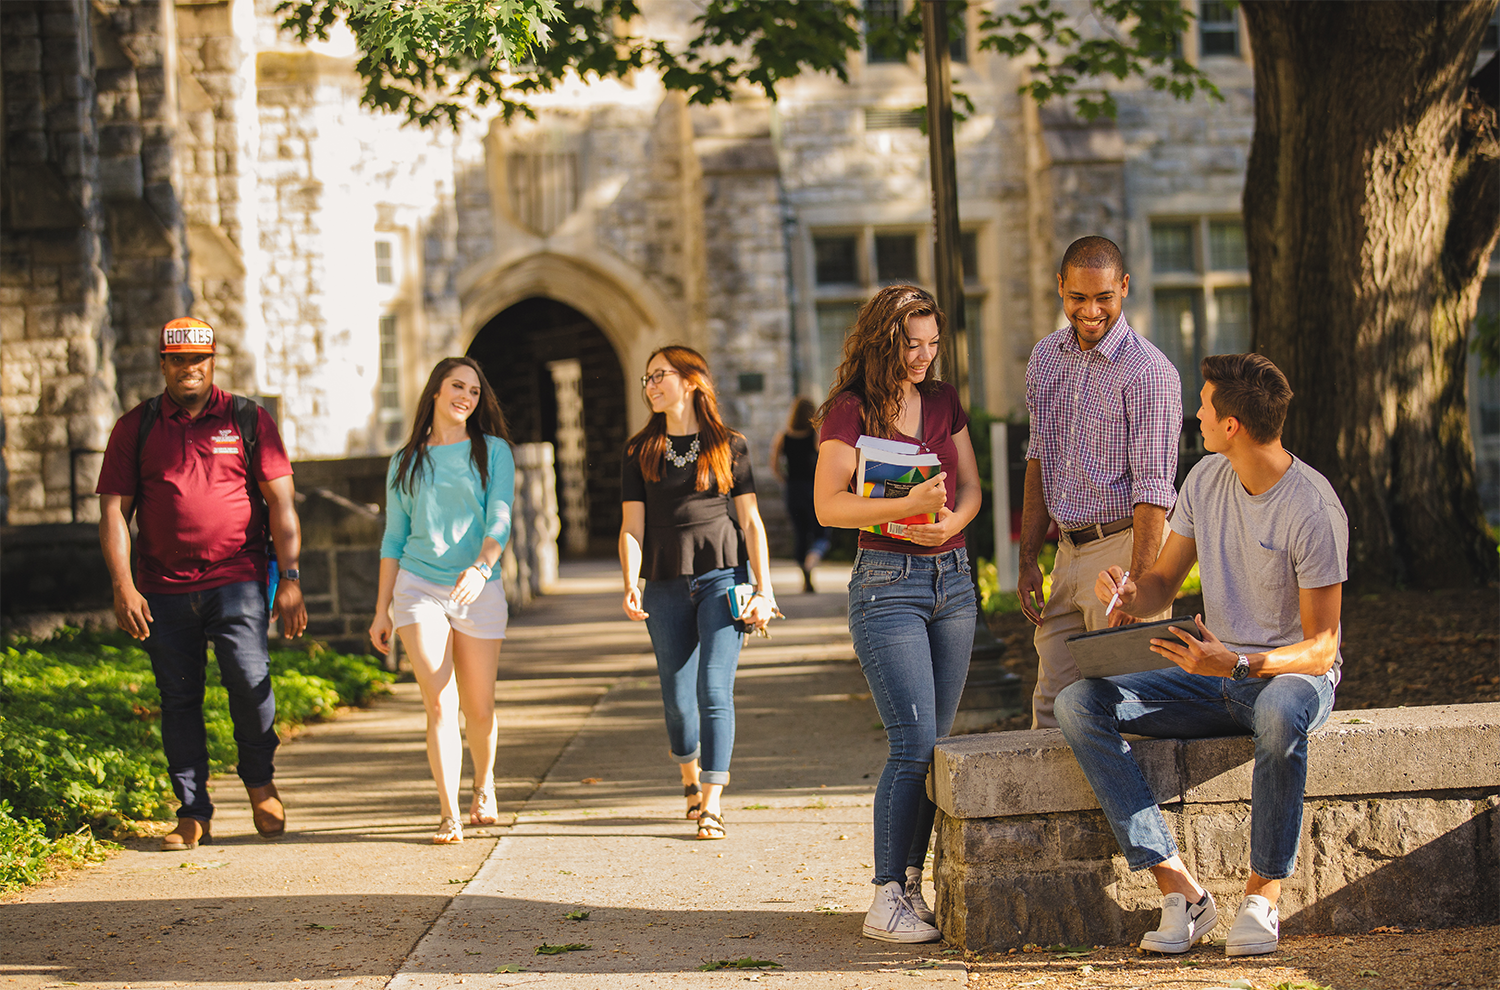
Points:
(891, 469)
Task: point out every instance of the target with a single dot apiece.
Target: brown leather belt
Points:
(1088, 534)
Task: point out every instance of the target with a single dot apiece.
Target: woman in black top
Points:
(689, 526)
(798, 443)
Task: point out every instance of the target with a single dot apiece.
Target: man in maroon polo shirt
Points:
(201, 569)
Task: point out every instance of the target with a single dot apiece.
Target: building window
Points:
(388, 408)
(1218, 29)
(890, 119)
(834, 323)
(895, 258)
(968, 252)
(385, 271)
(837, 260)
(958, 31)
(1485, 387)
(882, 25)
(1200, 300)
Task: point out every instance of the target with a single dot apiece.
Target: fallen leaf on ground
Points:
(592, 780)
(554, 950)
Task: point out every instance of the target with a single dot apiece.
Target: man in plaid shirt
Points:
(1106, 414)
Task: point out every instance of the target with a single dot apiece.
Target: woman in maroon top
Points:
(911, 601)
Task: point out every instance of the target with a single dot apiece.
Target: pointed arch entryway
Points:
(536, 323)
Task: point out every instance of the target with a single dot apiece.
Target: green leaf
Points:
(745, 962)
(577, 916)
(510, 968)
(556, 950)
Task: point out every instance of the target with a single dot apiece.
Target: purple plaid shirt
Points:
(1104, 423)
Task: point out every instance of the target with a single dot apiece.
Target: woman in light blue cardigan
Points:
(448, 496)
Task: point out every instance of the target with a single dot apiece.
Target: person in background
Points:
(204, 489)
(911, 601)
(797, 446)
(448, 497)
(689, 525)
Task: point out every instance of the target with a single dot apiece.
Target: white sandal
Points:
(483, 810)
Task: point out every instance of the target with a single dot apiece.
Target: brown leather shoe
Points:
(266, 808)
(189, 834)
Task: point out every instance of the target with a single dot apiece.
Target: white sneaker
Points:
(891, 918)
(914, 895)
(1182, 924)
(1256, 929)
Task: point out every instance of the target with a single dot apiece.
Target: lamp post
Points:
(989, 687)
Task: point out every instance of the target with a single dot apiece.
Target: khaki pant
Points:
(1074, 609)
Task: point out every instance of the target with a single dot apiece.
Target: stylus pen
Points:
(1115, 598)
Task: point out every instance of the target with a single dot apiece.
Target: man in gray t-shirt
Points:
(1271, 541)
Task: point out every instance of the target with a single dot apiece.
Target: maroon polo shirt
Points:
(198, 527)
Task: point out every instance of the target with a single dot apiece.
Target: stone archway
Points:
(540, 354)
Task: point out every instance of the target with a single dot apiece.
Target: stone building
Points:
(165, 157)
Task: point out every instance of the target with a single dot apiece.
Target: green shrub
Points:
(80, 730)
(27, 855)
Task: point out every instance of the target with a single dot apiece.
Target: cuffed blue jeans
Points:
(697, 652)
(912, 621)
(1173, 704)
(234, 618)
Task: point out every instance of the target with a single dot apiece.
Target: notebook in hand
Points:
(891, 469)
(1124, 649)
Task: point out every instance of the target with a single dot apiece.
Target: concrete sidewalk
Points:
(605, 832)
(356, 893)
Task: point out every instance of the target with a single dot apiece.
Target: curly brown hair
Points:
(874, 364)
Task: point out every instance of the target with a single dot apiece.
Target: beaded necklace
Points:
(687, 458)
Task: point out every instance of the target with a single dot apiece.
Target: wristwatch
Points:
(484, 569)
(291, 574)
(1241, 668)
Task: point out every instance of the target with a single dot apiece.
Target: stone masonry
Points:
(1401, 827)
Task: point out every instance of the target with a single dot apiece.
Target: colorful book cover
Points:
(890, 469)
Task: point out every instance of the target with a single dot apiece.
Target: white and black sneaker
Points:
(914, 895)
(1182, 924)
(891, 918)
(1256, 929)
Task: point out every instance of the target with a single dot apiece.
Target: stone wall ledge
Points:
(1355, 753)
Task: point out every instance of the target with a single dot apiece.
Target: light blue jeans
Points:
(1173, 704)
(697, 652)
(912, 621)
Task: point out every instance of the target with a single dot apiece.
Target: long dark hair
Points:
(715, 459)
(874, 364)
(485, 420)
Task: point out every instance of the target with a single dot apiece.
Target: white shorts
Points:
(418, 600)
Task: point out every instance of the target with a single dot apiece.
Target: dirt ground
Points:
(1400, 648)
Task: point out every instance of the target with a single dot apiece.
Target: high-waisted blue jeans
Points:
(234, 618)
(697, 652)
(1173, 704)
(912, 621)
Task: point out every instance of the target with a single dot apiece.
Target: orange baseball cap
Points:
(186, 335)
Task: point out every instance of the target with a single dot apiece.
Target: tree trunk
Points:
(1371, 208)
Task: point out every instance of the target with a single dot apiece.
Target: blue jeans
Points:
(697, 652)
(1173, 704)
(912, 621)
(235, 618)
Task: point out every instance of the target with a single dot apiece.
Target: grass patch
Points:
(80, 737)
(994, 599)
(745, 962)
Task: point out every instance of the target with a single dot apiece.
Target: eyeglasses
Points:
(655, 377)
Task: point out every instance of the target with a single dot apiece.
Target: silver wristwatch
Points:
(1241, 668)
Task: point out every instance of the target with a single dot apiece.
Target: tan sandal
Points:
(449, 832)
(483, 810)
(711, 826)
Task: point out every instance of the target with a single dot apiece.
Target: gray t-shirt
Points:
(1256, 551)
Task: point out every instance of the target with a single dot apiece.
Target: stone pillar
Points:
(571, 469)
(57, 393)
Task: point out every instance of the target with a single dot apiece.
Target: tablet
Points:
(1124, 649)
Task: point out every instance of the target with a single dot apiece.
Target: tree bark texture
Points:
(1372, 203)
